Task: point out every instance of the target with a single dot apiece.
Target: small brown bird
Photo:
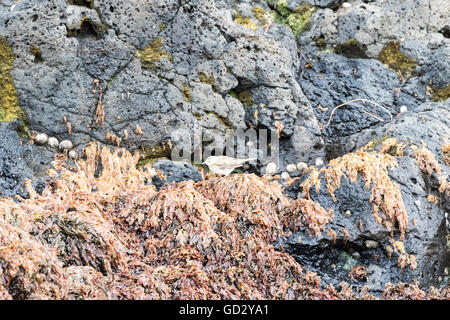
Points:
(224, 165)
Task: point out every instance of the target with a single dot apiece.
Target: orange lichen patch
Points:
(426, 160)
(446, 154)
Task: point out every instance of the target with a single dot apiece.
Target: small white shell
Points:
(271, 169)
(72, 154)
(285, 175)
(319, 162)
(403, 109)
(41, 139)
(65, 145)
(301, 166)
(291, 168)
(53, 142)
(371, 244)
(346, 5)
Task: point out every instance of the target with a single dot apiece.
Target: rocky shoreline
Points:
(356, 92)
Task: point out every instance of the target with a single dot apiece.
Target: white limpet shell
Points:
(271, 169)
(53, 142)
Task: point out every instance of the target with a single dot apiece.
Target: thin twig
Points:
(309, 62)
(354, 100)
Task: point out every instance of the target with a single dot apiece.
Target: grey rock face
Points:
(136, 72)
(376, 23)
(426, 232)
(19, 162)
(345, 79)
(158, 67)
(175, 172)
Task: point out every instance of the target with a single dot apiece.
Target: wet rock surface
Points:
(147, 75)
(175, 172)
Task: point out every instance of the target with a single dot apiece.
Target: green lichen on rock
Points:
(376, 142)
(149, 155)
(206, 79)
(297, 20)
(186, 93)
(351, 49)
(441, 94)
(36, 52)
(246, 22)
(320, 42)
(153, 53)
(260, 15)
(246, 98)
(394, 58)
(9, 102)
(197, 116)
(224, 121)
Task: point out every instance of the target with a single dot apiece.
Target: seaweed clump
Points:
(100, 230)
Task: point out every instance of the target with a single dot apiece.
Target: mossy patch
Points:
(186, 93)
(246, 22)
(246, 98)
(149, 155)
(37, 53)
(351, 49)
(260, 15)
(9, 102)
(298, 20)
(441, 94)
(224, 121)
(206, 79)
(153, 53)
(376, 143)
(394, 58)
(320, 42)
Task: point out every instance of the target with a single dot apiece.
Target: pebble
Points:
(271, 169)
(346, 5)
(417, 203)
(403, 109)
(41, 139)
(446, 271)
(319, 162)
(53, 142)
(356, 255)
(72, 154)
(65, 145)
(291, 168)
(348, 213)
(285, 175)
(371, 244)
(301, 166)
